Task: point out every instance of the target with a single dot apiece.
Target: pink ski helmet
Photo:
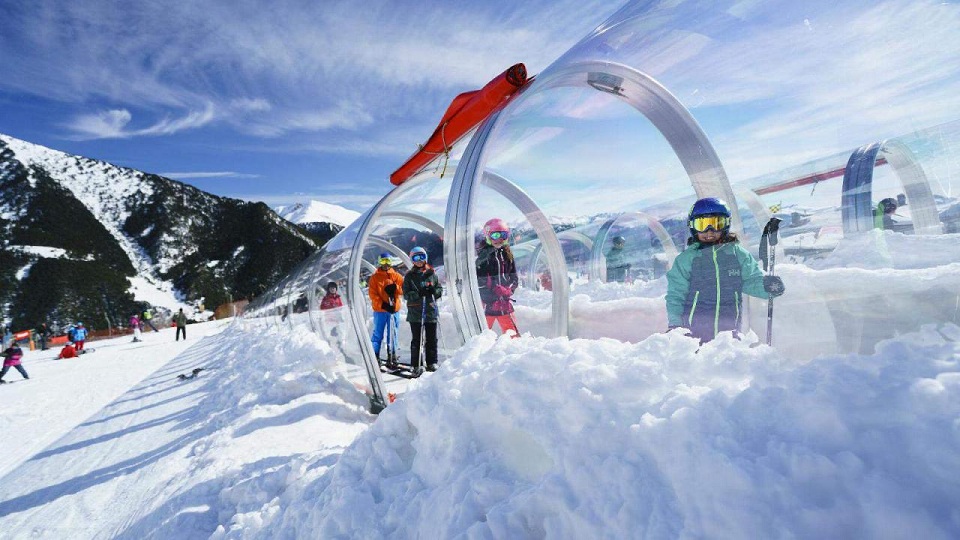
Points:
(495, 225)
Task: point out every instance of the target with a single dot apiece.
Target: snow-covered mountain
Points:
(317, 212)
(123, 238)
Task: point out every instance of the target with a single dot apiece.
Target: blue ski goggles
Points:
(499, 235)
(419, 257)
(705, 223)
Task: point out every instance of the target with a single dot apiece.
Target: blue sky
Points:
(272, 101)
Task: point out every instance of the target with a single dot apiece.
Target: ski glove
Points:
(502, 291)
(773, 285)
(391, 289)
(388, 307)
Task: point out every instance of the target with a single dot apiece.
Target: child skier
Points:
(135, 325)
(331, 299)
(707, 282)
(11, 358)
(69, 351)
(497, 276)
(421, 289)
(385, 290)
(79, 336)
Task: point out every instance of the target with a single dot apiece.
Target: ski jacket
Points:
(378, 296)
(79, 334)
(421, 289)
(134, 322)
(181, 319)
(147, 315)
(497, 278)
(330, 301)
(68, 352)
(617, 266)
(12, 356)
(705, 287)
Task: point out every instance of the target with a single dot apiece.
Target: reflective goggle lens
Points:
(419, 257)
(384, 261)
(499, 235)
(703, 223)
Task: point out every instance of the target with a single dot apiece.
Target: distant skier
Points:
(617, 265)
(421, 289)
(68, 351)
(181, 320)
(135, 325)
(79, 336)
(706, 284)
(333, 316)
(386, 288)
(11, 358)
(147, 318)
(497, 276)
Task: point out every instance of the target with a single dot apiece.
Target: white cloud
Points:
(113, 124)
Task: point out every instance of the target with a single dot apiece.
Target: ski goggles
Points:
(419, 257)
(384, 261)
(705, 223)
(499, 235)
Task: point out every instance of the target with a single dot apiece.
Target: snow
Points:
(317, 212)
(533, 437)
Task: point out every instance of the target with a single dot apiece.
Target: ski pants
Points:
(19, 367)
(136, 334)
(79, 344)
(150, 323)
(430, 347)
(507, 323)
(182, 329)
(380, 321)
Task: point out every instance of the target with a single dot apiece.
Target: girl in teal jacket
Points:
(706, 284)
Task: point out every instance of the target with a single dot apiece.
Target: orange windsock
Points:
(464, 113)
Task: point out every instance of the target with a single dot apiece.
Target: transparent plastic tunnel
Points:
(838, 120)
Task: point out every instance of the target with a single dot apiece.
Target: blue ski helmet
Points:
(418, 251)
(384, 259)
(708, 206)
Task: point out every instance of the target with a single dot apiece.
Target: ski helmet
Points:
(79, 324)
(709, 206)
(889, 205)
(495, 225)
(418, 253)
(619, 241)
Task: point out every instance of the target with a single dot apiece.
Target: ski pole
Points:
(421, 354)
(769, 238)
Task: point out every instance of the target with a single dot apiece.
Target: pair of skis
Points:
(392, 366)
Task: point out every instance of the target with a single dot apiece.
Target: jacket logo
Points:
(733, 272)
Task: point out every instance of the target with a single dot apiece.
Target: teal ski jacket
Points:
(706, 284)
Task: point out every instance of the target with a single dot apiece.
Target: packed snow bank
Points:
(555, 438)
(176, 458)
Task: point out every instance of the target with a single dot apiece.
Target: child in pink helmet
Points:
(497, 276)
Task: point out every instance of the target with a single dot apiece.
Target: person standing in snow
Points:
(11, 358)
(617, 265)
(385, 290)
(135, 325)
(147, 318)
(43, 332)
(883, 214)
(706, 284)
(497, 276)
(79, 336)
(181, 320)
(421, 289)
